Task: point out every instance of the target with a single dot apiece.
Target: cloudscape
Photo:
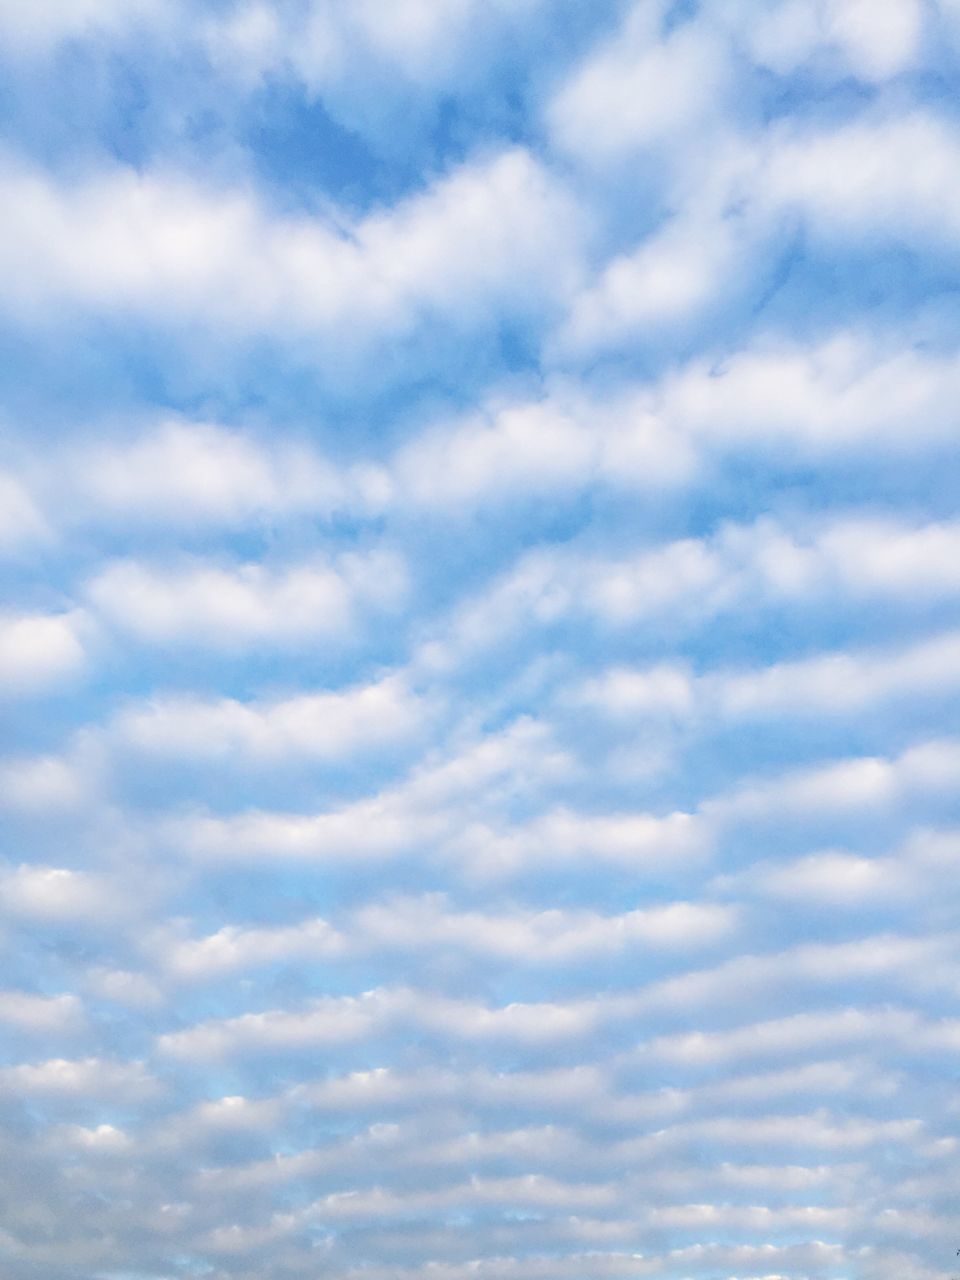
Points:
(480, 640)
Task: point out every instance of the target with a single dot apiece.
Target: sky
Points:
(480, 640)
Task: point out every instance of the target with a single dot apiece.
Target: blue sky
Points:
(480, 651)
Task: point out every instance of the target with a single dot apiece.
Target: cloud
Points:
(637, 90)
(873, 43)
(413, 816)
(846, 785)
(836, 878)
(845, 393)
(838, 684)
(478, 531)
(39, 651)
(62, 1014)
(21, 522)
(416, 44)
(429, 924)
(849, 557)
(670, 279)
(153, 245)
(57, 894)
(39, 31)
(233, 607)
(81, 1078)
(321, 726)
(41, 784)
(185, 472)
(884, 178)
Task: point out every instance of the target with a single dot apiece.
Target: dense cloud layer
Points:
(480, 651)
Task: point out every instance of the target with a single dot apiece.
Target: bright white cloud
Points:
(39, 651)
(55, 894)
(184, 472)
(325, 725)
(832, 684)
(886, 178)
(41, 1014)
(232, 607)
(430, 924)
(490, 464)
(874, 42)
(490, 234)
(638, 90)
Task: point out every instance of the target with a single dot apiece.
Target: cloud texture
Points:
(480, 642)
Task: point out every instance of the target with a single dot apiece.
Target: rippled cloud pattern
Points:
(480, 642)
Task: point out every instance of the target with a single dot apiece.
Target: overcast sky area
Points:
(480, 644)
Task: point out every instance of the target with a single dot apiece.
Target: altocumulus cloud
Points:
(480, 643)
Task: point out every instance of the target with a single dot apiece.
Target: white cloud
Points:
(642, 842)
(61, 1014)
(21, 522)
(839, 879)
(230, 608)
(419, 42)
(232, 948)
(837, 684)
(671, 278)
(847, 559)
(489, 235)
(851, 785)
(888, 178)
(543, 937)
(561, 443)
(430, 923)
(185, 472)
(39, 651)
(849, 1028)
(430, 806)
(41, 784)
(84, 1077)
(847, 392)
(638, 90)
(57, 894)
(39, 28)
(132, 990)
(336, 1020)
(873, 41)
(104, 1138)
(324, 725)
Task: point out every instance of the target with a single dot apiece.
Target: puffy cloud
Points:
(183, 473)
(853, 558)
(81, 1078)
(41, 784)
(886, 178)
(39, 651)
(873, 43)
(832, 684)
(418, 43)
(595, 371)
(841, 394)
(325, 725)
(57, 894)
(430, 924)
(637, 90)
(41, 1014)
(21, 522)
(232, 607)
(488, 235)
(846, 785)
